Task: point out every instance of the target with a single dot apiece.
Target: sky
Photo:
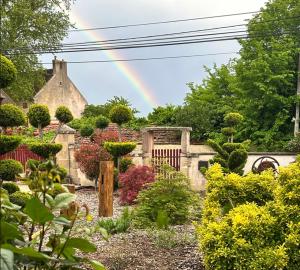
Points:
(147, 84)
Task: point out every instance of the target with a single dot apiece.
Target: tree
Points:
(163, 116)
(102, 122)
(27, 27)
(11, 116)
(64, 116)
(231, 121)
(39, 117)
(8, 72)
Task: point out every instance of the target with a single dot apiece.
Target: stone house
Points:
(60, 90)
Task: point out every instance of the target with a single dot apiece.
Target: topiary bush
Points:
(125, 164)
(133, 181)
(11, 116)
(8, 72)
(8, 143)
(63, 115)
(20, 198)
(86, 131)
(102, 122)
(10, 187)
(10, 169)
(120, 114)
(118, 149)
(45, 150)
(169, 194)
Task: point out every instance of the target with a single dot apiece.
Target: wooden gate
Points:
(22, 154)
(166, 156)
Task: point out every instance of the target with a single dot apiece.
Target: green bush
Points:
(228, 131)
(8, 143)
(118, 149)
(86, 131)
(63, 114)
(120, 114)
(11, 187)
(233, 119)
(39, 116)
(125, 164)
(20, 198)
(102, 122)
(57, 189)
(9, 169)
(45, 150)
(119, 225)
(169, 194)
(11, 116)
(8, 72)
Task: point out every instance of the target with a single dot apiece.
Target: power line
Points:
(164, 22)
(145, 59)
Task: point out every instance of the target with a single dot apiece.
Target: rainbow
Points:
(130, 74)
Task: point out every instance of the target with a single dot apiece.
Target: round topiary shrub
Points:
(118, 149)
(9, 169)
(8, 143)
(11, 116)
(45, 150)
(102, 122)
(233, 119)
(10, 187)
(120, 114)
(57, 189)
(8, 72)
(20, 198)
(39, 116)
(63, 114)
(125, 163)
(86, 131)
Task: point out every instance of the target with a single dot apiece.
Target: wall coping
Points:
(167, 129)
(249, 153)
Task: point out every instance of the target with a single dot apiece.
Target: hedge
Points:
(8, 143)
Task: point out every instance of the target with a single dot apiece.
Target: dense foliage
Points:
(10, 169)
(120, 114)
(11, 116)
(133, 181)
(39, 116)
(252, 221)
(63, 115)
(10, 187)
(125, 163)
(168, 200)
(8, 71)
(118, 149)
(86, 131)
(102, 122)
(8, 143)
(20, 198)
(45, 150)
(27, 26)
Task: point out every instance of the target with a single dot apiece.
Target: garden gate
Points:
(166, 156)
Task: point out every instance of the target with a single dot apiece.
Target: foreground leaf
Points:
(38, 212)
(6, 259)
(81, 244)
(63, 200)
(97, 265)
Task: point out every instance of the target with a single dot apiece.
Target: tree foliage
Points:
(63, 115)
(11, 116)
(8, 72)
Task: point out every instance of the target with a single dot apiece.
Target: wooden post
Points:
(106, 187)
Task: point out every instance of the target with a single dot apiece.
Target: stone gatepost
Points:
(148, 144)
(65, 158)
(185, 161)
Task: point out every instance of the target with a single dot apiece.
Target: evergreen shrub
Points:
(118, 149)
(9, 169)
(20, 198)
(45, 150)
(10, 187)
(11, 116)
(8, 72)
(8, 143)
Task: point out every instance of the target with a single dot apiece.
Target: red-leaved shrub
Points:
(105, 136)
(134, 180)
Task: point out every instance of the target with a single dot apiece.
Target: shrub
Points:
(86, 131)
(233, 119)
(171, 194)
(8, 72)
(20, 198)
(57, 189)
(118, 149)
(9, 169)
(11, 116)
(125, 164)
(120, 114)
(63, 115)
(45, 150)
(119, 225)
(75, 123)
(8, 143)
(39, 116)
(294, 144)
(11, 187)
(102, 122)
(133, 181)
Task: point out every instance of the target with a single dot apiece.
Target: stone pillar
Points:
(148, 143)
(185, 162)
(65, 158)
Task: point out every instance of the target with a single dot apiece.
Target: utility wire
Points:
(145, 59)
(164, 22)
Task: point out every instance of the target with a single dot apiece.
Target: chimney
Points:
(59, 66)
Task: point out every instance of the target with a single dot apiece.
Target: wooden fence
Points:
(166, 156)
(22, 154)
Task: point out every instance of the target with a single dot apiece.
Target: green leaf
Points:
(81, 244)
(63, 200)
(9, 232)
(37, 211)
(6, 259)
(97, 265)
(62, 221)
(8, 205)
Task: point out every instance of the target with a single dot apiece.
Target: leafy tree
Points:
(163, 116)
(28, 26)
(11, 116)
(102, 122)
(39, 117)
(63, 115)
(231, 121)
(8, 72)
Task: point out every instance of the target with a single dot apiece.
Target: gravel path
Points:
(142, 250)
